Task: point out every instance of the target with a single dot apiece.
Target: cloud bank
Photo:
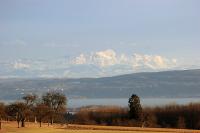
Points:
(18, 65)
(94, 64)
(109, 57)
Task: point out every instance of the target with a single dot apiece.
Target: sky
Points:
(97, 38)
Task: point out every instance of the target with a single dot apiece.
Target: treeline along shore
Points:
(51, 108)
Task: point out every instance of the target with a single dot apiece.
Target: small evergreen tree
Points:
(135, 109)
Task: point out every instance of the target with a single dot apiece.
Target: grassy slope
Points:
(11, 127)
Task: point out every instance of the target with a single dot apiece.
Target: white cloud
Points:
(108, 58)
(174, 60)
(81, 59)
(104, 58)
(101, 58)
(96, 64)
(160, 62)
(123, 59)
(18, 65)
(152, 61)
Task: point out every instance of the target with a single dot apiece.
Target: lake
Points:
(123, 102)
(74, 103)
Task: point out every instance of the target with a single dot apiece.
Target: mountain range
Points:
(182, 83)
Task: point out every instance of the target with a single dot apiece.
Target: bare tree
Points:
(18, 110)
(181, 123)
(56, 102)
(42, 111)
(30, 101)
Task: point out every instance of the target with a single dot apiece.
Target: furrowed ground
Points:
(11, 127)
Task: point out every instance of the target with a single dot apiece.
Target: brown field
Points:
(11, 127)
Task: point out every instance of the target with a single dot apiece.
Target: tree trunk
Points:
(23, 123)
(51, 121)
(35, 119)
(40, 123)
(18, 123)
(0, 123)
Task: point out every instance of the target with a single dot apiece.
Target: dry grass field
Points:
(11, 127)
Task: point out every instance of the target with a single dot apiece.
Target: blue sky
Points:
(66, 37)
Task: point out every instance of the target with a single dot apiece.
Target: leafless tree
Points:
(56, 102)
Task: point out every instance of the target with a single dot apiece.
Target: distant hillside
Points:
(152, 84)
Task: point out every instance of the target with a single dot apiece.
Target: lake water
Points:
(123, 102)
(74, 103)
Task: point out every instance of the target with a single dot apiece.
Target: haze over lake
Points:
(123, 102)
